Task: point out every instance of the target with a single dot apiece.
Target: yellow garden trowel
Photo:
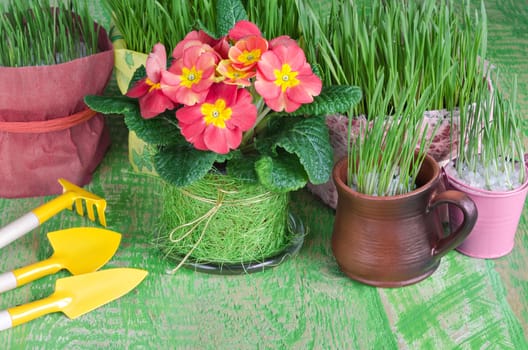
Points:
(78, 250)
(71, 195)
(76, 295)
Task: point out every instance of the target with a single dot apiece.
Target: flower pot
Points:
(125, 64)
(46, 130)
(499, 213)
(223, 225)
(399, 240)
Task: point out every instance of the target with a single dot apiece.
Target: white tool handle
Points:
(5, 320)
(18, 228)
(8, 281)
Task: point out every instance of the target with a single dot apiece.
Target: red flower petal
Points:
(189, 115)
(268, 63)
(267, 88)
(154, 103)
(139, 89)
(242, 29)
(282, 103)
(234, 138)
(284, 40)
(294, 56)
(216, 139)
(192, 131)
(156, 63)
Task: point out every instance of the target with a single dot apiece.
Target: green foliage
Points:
(276, 17)
(182, 164)
(147, 22)
(491, 136)
(307, 139)
(440, 40)
(232, 11)
(387, 154)
(281, 173)
(332, 99)
(144, 23)
(283, 152)
(111, 105)
(34, 33)
(290, 151)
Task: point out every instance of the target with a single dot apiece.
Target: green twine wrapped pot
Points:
(221, 224)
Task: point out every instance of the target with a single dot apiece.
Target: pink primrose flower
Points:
(242, 29)
(247, 52)
(231, 75)
(152, 100)
(283, 40)
(188, 79)
(217, 123)
(285, 80)
(198, 37)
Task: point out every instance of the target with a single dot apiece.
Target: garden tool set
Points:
(76, 295)
(81, 251)
(71, 195)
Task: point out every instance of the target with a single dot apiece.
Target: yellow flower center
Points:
(234, 74)
(249, 57)
(285, 77)
(190, 77)
(153, 86)
(216, 114)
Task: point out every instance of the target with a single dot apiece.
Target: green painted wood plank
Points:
(462, 305)
(305, 303)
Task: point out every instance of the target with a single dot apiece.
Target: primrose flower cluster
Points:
(208, 84)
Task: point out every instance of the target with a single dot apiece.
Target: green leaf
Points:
(181, 165)
(308, 139)
(208, 31)
(282, 173)
(160, 130)
(331, 100)
(143, 160)
(243, 168)
(140, 73)
(111, 105)
(228, 13)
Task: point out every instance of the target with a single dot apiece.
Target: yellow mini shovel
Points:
(71, 195)
(79, 250)
(76, 295)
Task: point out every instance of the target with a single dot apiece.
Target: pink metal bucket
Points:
(498, 217)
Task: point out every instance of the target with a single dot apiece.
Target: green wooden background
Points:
(306, 302)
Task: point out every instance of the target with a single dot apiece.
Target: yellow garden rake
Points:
(72, 196)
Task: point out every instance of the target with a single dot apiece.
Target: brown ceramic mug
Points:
(398, 240)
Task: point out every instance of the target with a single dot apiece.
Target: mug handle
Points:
(469, 211)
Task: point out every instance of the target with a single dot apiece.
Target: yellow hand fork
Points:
(71, 195)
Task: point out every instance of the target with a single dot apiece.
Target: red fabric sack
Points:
(46, 130)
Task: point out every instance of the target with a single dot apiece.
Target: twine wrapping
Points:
(44, 126)
(222, 220)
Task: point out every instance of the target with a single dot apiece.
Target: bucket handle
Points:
(469, 211)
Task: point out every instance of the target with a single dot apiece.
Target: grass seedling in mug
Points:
(386, 156)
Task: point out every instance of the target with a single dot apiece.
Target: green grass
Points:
(34, 33)
(147, 22)
(384, 159)
(491, 134)
(439, 40)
